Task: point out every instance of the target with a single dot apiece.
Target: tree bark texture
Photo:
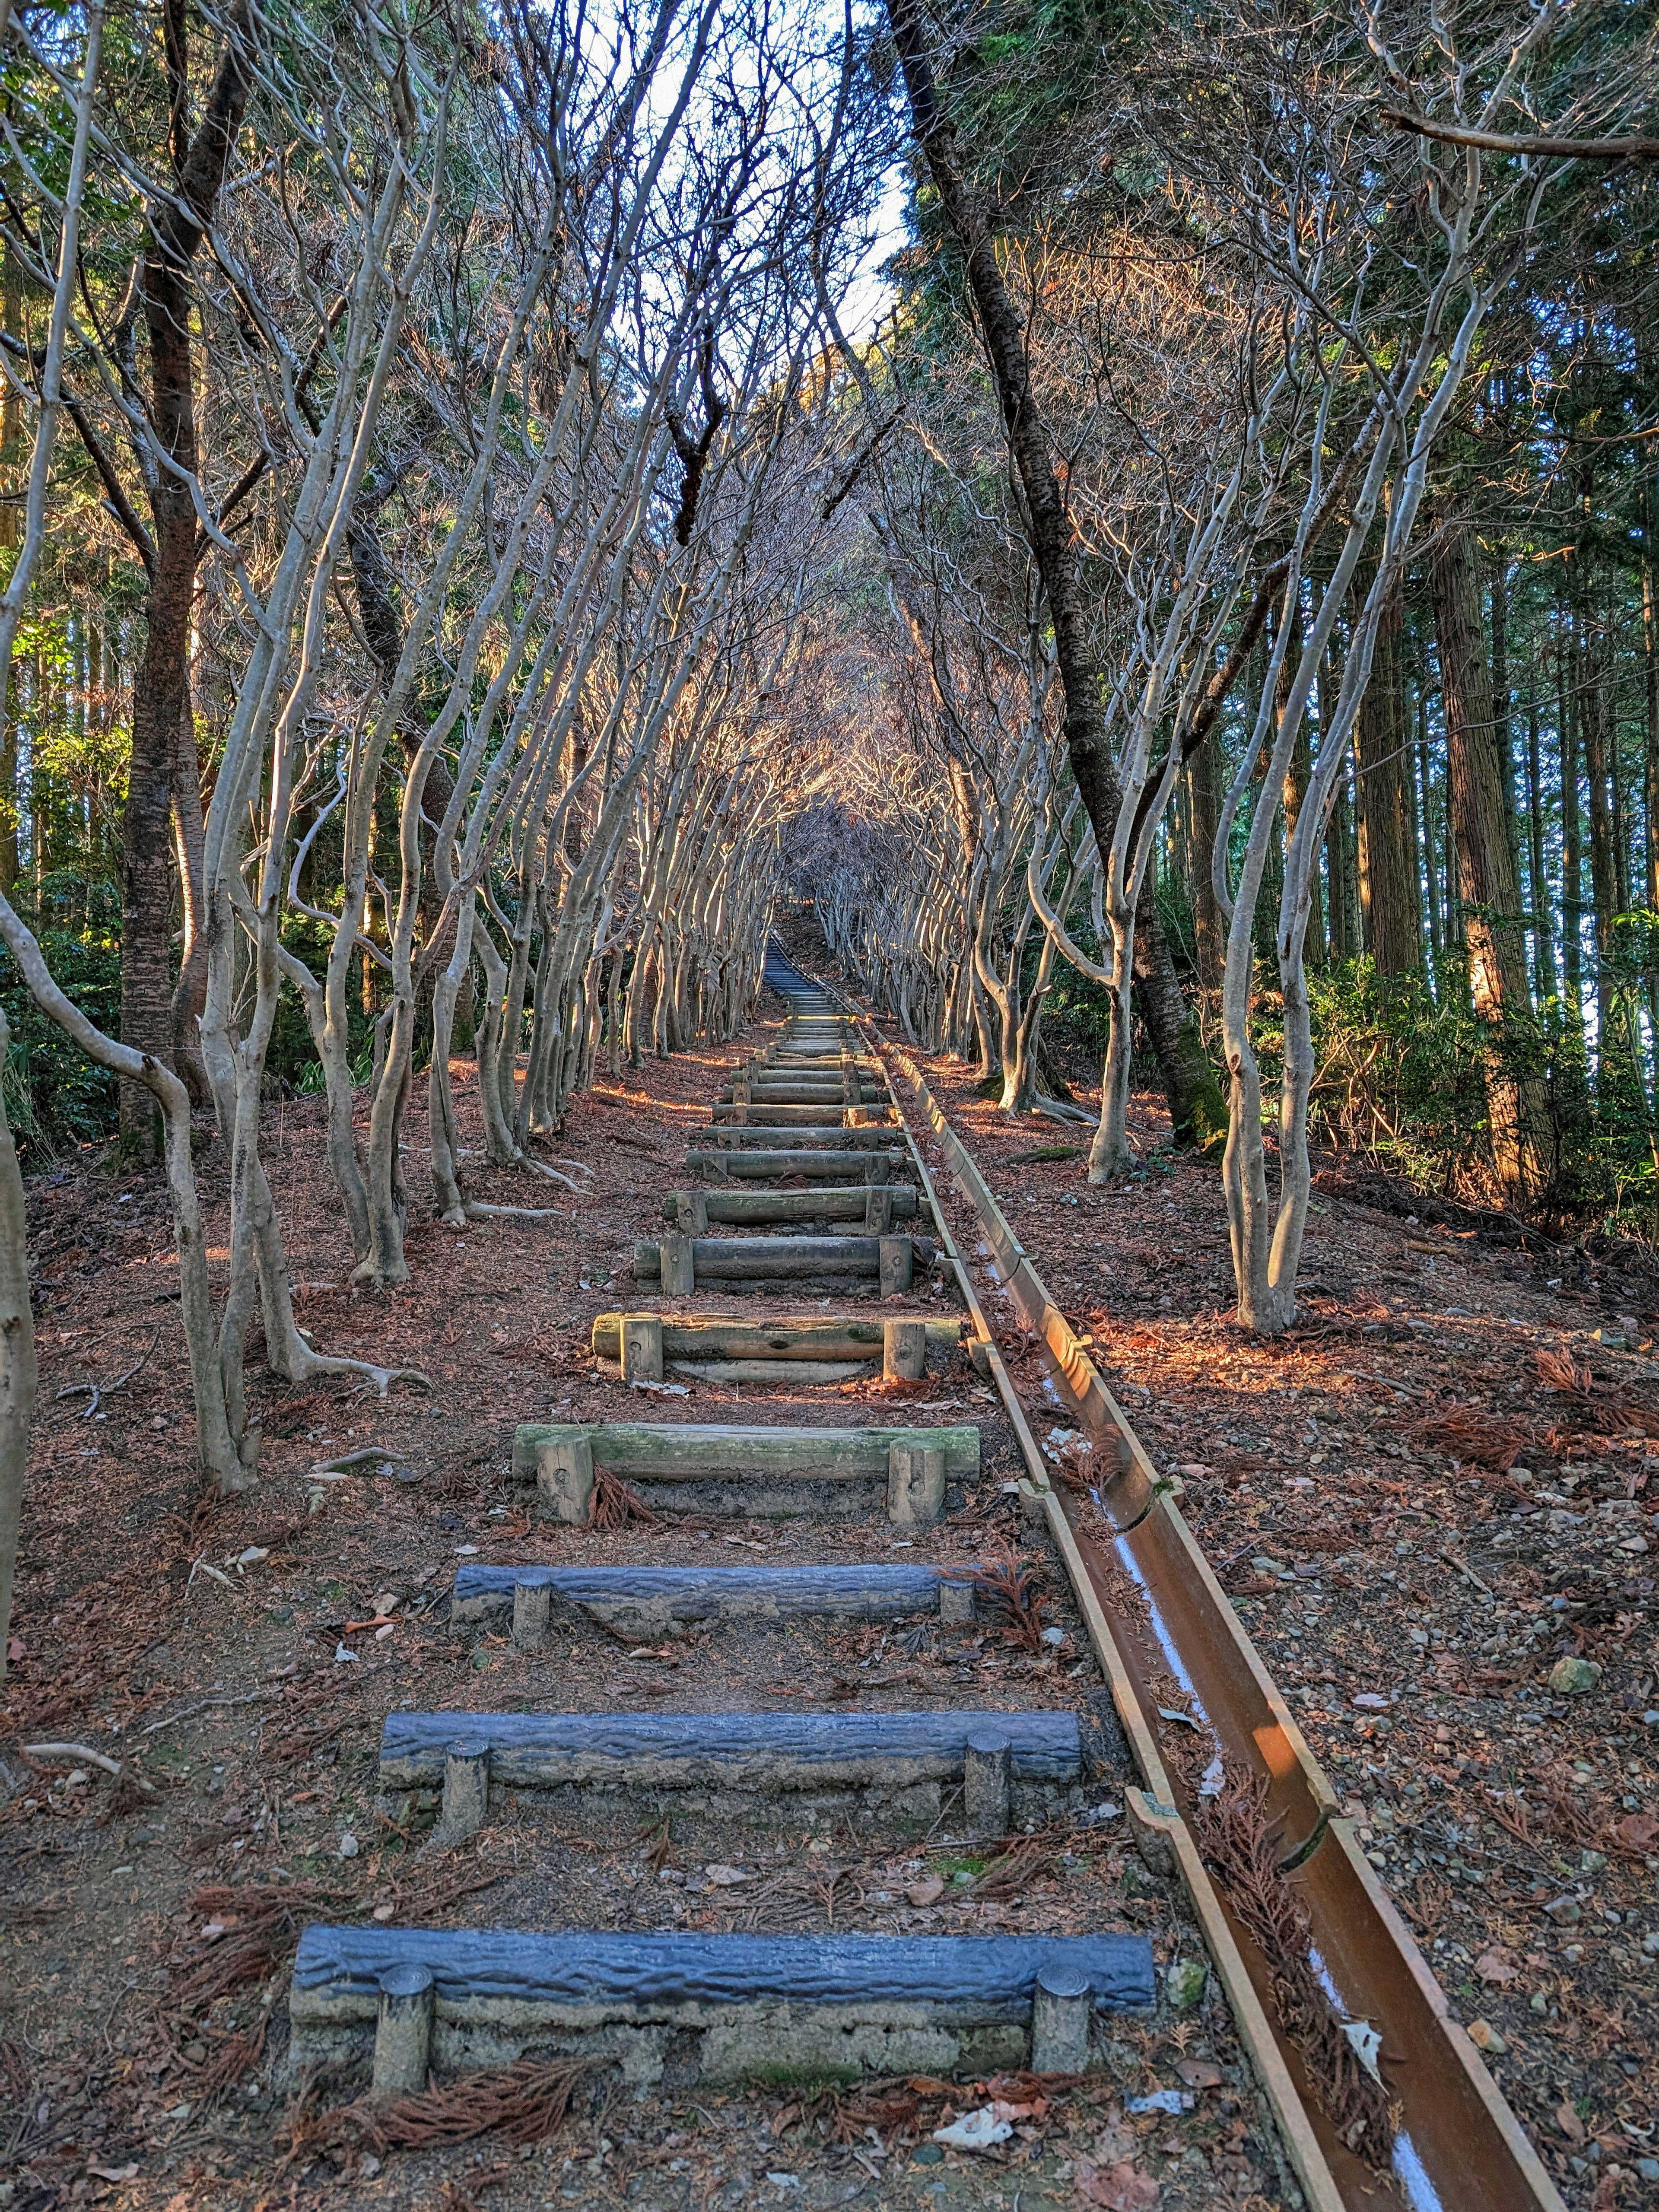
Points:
(1385, 798)
(18, 1374)
(162, 691)
(1488, 874)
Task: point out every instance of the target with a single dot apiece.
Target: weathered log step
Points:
(773, 1754)
(772, 1473)
(679, 1262)
(844, 1337)
(806, 1117)
(758, 1136)
(680, 1451)
(724, 2007)
(872, 1165)
(768, 1095)
(652, 1601)
(846, 1203)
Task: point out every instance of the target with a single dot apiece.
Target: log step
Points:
(810, 1336)
(771, 1754)
(750, 1259)
(847, 1202)
(807, 1117)
(754, 1136)
(652, 1601)
(725, 2007)
(857, 1165)
(674, 1451)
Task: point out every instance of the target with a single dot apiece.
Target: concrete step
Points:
(1009, 1767)
(705, 2007)
(649, 1603)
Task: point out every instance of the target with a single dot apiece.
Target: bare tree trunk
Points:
(1384, 797)
(1209, 926)
(18, 1372)
(1573, 835)
(1487, 870)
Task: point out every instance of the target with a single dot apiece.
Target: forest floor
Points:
(1425, 1497)
(239, 1656)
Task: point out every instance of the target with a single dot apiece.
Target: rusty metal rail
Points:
(1457, 2147)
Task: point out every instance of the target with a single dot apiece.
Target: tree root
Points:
(312, 1365)
(476, 1210)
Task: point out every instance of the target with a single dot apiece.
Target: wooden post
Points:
(987, 1766)
(893, 1259)
(532, 1607)
(564, 1474)
(903, 1349)
(466, 1787)
(691, 1212)
(850, 1080)
(881, 1167)
(641, 1347)
(1062, 2004)
(679, 1276)
(403, 2031)
(915, 1485)
(877, 1210)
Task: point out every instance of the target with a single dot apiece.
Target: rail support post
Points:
(642, 1348)
(893, 1259)
(679, 1275)
(466, 1788)
(532, 1608)
(878, 1211)
(903, 1349)
(987, 1766)
(1062, 2004)
(564, 1475)
(691, 1212)
(881, 1167)
(915, 1485)
(403, 2031)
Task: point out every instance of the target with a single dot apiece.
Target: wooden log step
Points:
(759, 1164)
(673, 1451)
(652, 1601)
(723, 2008)
(755, 1136)
(714, 1258)
(846, 1203)
(771, 1753)
(805, 1118)
(811, 1336)
(768, 1095)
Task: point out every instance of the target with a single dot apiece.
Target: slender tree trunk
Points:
(18, 1373)
(1209, 928)
(1425, 799)
(1572, 835)
(1384, 796)
(1542, 921)
(161, 692)
(1488, 878)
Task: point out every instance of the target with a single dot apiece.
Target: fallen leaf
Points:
(1492, 1966)
(1370, 1701)
(1119, 2188)
(114, 2172)
(1367, 2044)
(1570, 2123)
(725, 1877)
(1639, 1830)
(925, 1893)
(1198, 2073)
